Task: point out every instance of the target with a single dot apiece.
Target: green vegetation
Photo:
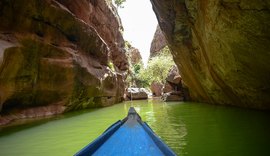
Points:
(111, 66)
(157, 69)
(127, 45)
(119, 2)
(134, 78)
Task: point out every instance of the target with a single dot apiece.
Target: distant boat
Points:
(130, 136)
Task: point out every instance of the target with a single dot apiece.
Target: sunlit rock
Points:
(156, 88)
(137, 93)
(134, 55)
(158, 42)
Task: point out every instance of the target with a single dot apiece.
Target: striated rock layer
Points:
(55, 53)
(221, 48)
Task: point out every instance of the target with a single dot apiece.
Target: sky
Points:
(139, 22)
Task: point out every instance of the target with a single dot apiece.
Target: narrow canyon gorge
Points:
(63, 55)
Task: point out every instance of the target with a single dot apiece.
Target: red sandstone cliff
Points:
(54, 57)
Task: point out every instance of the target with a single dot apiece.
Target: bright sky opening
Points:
(139, 22)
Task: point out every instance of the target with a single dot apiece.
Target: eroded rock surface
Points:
(56, 53)
(221, 48)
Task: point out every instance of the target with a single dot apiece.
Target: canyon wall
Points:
(56, 56)
(158, 42)
(221, 47)
(134, 56)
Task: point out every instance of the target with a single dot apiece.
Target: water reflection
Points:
(163, 120)
(190, 129)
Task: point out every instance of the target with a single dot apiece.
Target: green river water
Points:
(190, 129)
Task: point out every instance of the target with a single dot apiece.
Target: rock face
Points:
(221, 48)
(134, 55)
(158, 42)
(156, 88)
(173, 88)
(136, 94)
(56, 52)
(172, 96)
(103, 16)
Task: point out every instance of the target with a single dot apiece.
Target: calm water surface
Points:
(190, 129)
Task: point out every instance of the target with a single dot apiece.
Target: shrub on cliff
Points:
(158, 67)
(119, 3)
(156, 70)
